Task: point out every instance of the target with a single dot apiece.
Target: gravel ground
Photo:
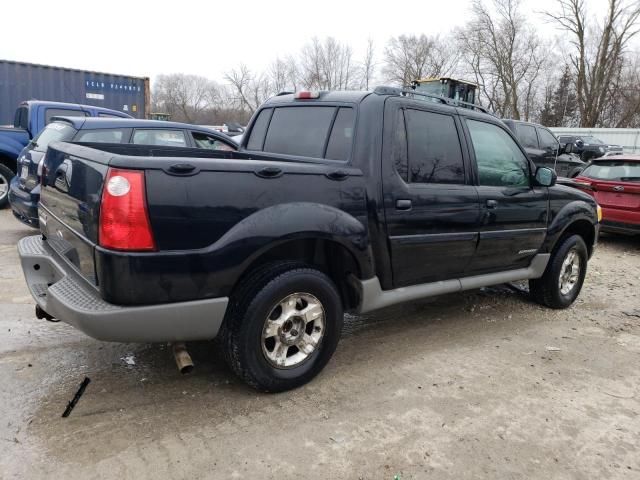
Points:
(484, 384)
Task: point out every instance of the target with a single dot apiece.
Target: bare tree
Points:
(185, 97)
(327, 65)
(368, 67)
(411, 57)
(598, 50)
(249, 90)
(505, 55)
(282, 75)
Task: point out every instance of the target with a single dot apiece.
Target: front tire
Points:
(282, 327)
(6, 175)
(562, 280)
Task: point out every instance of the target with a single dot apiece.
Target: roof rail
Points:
(406, 91)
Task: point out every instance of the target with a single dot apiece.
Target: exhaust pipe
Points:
(183, 359)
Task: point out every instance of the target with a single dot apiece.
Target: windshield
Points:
(614, 170)
(592, 140)
(54, 132)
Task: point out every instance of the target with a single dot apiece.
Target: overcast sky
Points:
(211, 37)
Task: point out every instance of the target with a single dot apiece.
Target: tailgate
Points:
(70, 203)
(622, 195)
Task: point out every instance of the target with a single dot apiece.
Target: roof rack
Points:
(406, 91)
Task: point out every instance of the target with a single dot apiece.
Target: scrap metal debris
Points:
(76, 397)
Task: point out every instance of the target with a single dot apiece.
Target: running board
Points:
(373, 297)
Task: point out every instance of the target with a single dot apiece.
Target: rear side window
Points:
(21, 119)
(309, 131)
(299, 131)
(111, 135)
(259, 130)
(340, 141)
(108, 115)
(62, 112)
(54, 132)
(433, 147)
(527, 135)
(163, 137)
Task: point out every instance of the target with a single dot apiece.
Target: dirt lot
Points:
(476, 385)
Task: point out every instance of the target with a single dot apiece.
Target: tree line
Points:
(587, 76)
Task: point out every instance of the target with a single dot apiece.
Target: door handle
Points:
(337, 175)
(492, 203)
(403, 204)
(182, 168)
(269, 172)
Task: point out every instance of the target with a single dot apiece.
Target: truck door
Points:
(431, 207)
(514, 211)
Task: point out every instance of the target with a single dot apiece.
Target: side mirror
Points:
(546, 177)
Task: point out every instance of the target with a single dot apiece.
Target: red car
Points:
(615, 184)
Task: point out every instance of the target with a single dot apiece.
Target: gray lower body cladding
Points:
(63, 294)
(373, 297)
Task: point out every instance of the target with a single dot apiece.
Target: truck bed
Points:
(202, 206)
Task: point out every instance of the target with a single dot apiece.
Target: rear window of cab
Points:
(307, 131)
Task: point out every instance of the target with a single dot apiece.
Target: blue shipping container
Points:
(27, 81)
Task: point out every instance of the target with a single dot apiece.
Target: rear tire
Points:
(6, 175)
(562, 280)
(282, 327)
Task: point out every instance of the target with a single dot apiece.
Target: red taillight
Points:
(124, 220)
(305, 95)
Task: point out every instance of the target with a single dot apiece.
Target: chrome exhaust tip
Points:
(182, 357)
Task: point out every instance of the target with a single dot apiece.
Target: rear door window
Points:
(434, 151)
(111, 135)
(63, 112)
(158, 136)
(547, 140)
(527, 135)
(54, 132)
(299, 131)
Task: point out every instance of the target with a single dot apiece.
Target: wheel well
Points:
(332, 258)
(585, 229)
(10, 163)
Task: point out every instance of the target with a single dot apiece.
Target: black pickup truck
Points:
(335, 201)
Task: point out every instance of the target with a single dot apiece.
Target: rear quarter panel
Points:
(211, 226)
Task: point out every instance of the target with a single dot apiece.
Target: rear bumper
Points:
(23, 204)
(63, 294)
(620, 227)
